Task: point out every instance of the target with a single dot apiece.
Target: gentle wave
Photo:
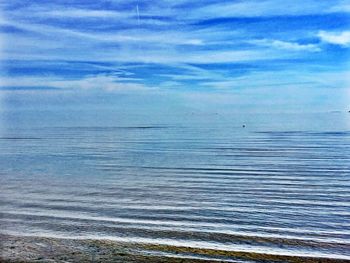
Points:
(284, 192)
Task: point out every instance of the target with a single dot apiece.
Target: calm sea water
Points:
(280, 185)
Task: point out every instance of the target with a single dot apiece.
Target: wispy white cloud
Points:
(120, 36)
(82, 13)
(340, 6)
(102, 82)
(156, 47)
(282, 79)
(180, 45)
(293, 46)
(267, 8)
(35, 12)
(165, 57)
(146, 45)
(337, 38)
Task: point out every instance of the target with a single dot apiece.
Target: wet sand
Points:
(41, 249)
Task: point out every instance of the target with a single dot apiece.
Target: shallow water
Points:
(281, 185)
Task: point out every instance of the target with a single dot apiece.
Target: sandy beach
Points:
(41, 249)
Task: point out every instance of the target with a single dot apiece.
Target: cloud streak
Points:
(96, 82)
(292, 46)
(336, 38)
(268, 8)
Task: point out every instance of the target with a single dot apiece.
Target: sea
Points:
(258, 182)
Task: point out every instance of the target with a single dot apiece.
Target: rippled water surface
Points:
(276, 186)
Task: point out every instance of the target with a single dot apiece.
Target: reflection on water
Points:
(202, 182)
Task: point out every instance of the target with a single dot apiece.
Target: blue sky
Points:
(251, 55)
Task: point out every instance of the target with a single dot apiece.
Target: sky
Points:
(175, 56)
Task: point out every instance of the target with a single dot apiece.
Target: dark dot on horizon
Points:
(243, 125)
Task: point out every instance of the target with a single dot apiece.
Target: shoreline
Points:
(43, 249)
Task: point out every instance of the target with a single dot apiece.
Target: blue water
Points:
(280, 185)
